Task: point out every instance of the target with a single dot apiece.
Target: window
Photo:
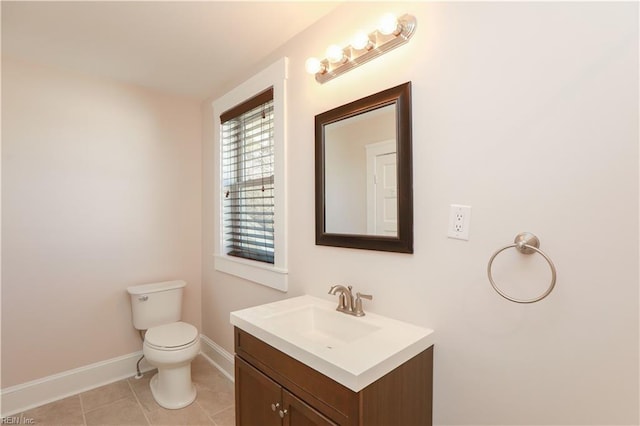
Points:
(249, 126)
(247, 178)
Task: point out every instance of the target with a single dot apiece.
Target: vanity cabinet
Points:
(270, 404)
(273, 388)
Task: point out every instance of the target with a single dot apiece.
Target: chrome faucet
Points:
(346, 303)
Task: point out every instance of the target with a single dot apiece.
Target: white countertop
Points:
(353, 351)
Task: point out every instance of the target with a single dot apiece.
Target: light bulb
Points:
(313, 66)
(360, 41)
(335, 54)
(388, 24)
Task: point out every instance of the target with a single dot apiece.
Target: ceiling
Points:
(182, 47)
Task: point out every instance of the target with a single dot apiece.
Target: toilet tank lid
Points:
(154, 287)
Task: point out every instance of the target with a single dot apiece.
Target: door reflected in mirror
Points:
(360, 174)
(364, 174)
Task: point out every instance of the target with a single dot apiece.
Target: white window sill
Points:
(257, 272)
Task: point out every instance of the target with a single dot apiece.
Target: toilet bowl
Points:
(171, 348)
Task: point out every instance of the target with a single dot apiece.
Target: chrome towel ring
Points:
(525, 243)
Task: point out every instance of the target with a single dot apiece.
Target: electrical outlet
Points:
(459, 221)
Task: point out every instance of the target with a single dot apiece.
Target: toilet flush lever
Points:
(143, 298)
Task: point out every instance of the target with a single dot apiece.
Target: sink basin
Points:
(354, 351)
(329, 328)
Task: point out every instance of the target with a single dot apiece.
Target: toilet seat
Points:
(173, 336)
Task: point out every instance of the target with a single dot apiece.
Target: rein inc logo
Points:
(17, 420)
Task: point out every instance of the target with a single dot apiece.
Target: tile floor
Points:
(129, 402)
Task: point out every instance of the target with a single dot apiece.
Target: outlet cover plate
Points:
(459, 221)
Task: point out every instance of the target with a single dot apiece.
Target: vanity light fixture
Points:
(336, 55)
(391, 32)
(314, 66)
(361, 41)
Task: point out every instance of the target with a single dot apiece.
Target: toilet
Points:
(169, 344)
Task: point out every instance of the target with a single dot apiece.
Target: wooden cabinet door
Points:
(255, 394)
(298, 413)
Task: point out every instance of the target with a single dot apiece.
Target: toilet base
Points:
(172, 388)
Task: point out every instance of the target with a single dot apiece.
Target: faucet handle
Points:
(364, 296)
(359, 296)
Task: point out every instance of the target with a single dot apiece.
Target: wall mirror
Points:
(364, 195)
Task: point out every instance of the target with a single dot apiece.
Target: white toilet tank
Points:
(156, 304)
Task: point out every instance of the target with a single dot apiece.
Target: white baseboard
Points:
(22, 397)
(219, 357)
(19, 398)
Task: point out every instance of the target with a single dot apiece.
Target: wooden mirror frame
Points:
(403, 242)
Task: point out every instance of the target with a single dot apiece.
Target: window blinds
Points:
(247, 178)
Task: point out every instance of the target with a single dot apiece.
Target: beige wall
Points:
(100, 191)
(528, 112)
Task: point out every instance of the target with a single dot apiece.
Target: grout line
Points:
(135, 395)
(205, 412)
(224, 409)
(84, 418)
(124, 398)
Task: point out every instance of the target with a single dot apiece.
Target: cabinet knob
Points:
(282, 413)
(275, 406)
